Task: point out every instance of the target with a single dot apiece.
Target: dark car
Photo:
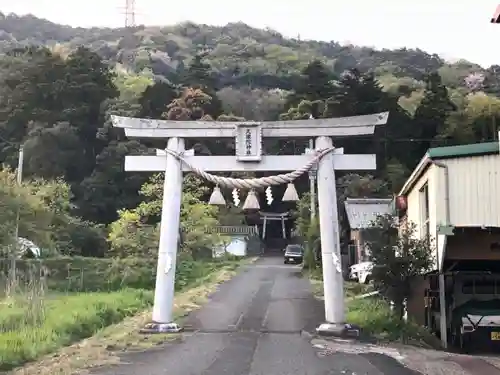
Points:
(294, 254)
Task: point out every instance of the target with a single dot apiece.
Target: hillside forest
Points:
(59, 86)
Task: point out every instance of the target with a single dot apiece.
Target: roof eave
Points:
(416, 174)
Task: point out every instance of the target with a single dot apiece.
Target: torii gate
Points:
(248, 136)
(273, 216)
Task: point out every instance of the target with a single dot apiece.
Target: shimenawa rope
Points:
(253, 183)
(262, 182)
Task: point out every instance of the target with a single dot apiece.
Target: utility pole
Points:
(20, 162)
(13, 259)
(312, 180)
(493, 122)
(312, 185)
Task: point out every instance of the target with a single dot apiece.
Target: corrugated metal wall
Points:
(474, 195)
(474, 191)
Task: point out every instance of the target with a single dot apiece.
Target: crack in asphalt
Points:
(262, 330)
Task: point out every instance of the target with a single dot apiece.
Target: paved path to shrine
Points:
(258, 324)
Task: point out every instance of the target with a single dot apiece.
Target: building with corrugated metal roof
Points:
(361, 214)
(453, 197)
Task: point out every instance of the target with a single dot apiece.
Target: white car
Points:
(28, 248)
(361, 272)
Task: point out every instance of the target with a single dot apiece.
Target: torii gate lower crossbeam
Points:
(249, 157)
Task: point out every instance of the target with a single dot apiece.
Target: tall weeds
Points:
(23, 300)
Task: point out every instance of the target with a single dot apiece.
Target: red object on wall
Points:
(496, 16)
(401, 203)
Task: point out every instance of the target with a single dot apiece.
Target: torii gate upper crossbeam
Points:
(331, 127)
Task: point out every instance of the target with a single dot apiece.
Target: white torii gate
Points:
(248, 135)
(273, 216)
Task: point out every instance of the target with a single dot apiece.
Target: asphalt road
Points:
(256, 324)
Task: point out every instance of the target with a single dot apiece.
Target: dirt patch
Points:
(105, 347)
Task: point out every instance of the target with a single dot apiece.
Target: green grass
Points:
(28, 332)
(376, 319)
(79, 274)
(351, 289)
(45, 315)
(374, 316)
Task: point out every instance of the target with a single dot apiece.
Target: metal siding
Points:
(414, 213)
(414, 205)
(361, 214)
(474, 191)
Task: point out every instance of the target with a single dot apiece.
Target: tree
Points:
(476, 121)
(304, 110)
(354, 185)
(362, 94)
(55, 108)
(431, 114)
(155, 98)
(199, 76)
(90, 86)
(356, 94)
(44, 217)
(189, 106)
(252, 104)
(136, 232)
(110, 188)
(34, 216)
(131, 86)
(69, 235)
(398, 256)
(307, 230)
(315, 86)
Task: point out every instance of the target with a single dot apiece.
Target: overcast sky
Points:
(452, 28)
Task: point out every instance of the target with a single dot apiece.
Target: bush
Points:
(77, 237)
(136, 232)
(68, 235)
(80, 274)
(189, 272)
(62, 321)
(375, 318)
(398, 255)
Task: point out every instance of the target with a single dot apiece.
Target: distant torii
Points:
(274, 216)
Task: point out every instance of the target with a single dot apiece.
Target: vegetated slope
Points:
(239, 54)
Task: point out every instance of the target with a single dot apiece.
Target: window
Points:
(424, 211)
(479, 287)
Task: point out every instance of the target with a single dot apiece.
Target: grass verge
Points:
(60, 321)
(351, 289)
(104, 345)
(374, 316)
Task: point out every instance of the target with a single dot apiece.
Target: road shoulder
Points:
(109, 345)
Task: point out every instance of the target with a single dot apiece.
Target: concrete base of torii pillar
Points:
(333, 281)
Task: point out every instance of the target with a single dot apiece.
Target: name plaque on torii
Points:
(249, 157)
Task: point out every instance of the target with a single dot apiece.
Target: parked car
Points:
(361, 272)
(293, 254)
(473, 321)
(27, 248)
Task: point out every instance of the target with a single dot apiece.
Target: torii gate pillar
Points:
(333, 282)
(169, 237)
